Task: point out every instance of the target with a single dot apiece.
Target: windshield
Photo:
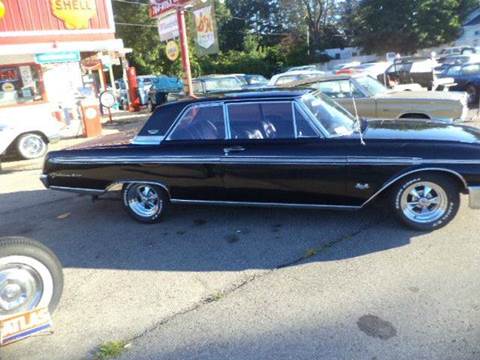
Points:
(334, 118)
(372, 86)
(223, 84)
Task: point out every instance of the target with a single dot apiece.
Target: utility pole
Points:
(182, 29)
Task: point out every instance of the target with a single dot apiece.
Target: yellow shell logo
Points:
(2, 9)
(75, 14)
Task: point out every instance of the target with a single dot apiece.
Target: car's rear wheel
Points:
(30, 276)
(31, 146)
(144, 202)
(426, 202)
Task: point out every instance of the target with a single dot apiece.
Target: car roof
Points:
(215, 76)
(278, 93)
(313, 80)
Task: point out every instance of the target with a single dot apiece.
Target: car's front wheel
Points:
(30, 276)
(426, 202)
(144, 202)
(31, 146)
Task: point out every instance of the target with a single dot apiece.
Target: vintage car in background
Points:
(162, 87)
(289, 76)
(410, 70)
(466, 78)
(375, 101)
(252, 81)
(28, 139)
(288, 148)
(210, 85)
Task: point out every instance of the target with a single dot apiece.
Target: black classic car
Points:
(294, 148)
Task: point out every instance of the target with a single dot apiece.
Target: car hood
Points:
(420, 130)
(422, 95)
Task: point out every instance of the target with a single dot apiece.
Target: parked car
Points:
(466, 78)
(303, 68)
(281, 79)
(289, 148)
(375, 101)
(27, 137)
(251, 81)
(458, 50)
(162, 87)
(410, 70)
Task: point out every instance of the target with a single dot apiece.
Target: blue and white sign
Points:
(57, 57)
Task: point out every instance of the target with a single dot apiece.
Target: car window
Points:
(221, 84)
(269, 120)
(304, 127)
(339, 89)
(200, 123)
(197, 87)
(454, 70)
(287, 79)
(471, 69)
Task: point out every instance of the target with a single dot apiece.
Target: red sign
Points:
(159, 7)
(32, 21)
(9, 74)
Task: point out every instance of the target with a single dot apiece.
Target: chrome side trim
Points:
(261, 204)
(474, 197)
(260, 160)
(391, 182)
(118, 185)
(78, 190)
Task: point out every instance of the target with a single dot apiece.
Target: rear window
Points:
(161, 120)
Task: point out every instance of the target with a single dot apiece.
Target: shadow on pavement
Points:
(101, 235)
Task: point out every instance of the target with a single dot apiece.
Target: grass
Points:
(111, 350)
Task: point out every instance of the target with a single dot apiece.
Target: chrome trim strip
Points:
(78, 190)
(114, 186)
(294, 117)
(391, 182)
(474, 197)
(261, 204)
(147, 140)
(260, 160)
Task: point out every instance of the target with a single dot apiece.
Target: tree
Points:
(408, 25)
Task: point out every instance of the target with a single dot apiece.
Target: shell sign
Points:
(2, 9)
(75, 14)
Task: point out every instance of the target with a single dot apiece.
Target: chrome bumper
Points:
(44, 180)
(474, 192)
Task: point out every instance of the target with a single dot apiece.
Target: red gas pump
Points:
(133, 89)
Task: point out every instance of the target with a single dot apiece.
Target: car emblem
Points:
(362, 186)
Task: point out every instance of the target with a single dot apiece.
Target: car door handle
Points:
(229, 150)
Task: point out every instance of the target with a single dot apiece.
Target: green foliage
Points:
(408, 25)
(265, 36)
(110, 350)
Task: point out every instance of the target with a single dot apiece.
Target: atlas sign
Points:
(159, 7)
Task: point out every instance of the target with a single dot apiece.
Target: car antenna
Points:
(357, 118)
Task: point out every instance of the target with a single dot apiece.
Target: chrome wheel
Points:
(25, 284)
(31, 146)
(144, 200)
(424, 202)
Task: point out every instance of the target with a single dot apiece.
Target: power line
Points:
(131, 2)
(139, 25)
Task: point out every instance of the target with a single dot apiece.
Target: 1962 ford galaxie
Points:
(279, 148)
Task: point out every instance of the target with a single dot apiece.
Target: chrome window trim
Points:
(85, 191)
(312, 118)
(226, 117)
(313, 124)
(256, 101)
(187, 108)
(294, 116)
(147, 140)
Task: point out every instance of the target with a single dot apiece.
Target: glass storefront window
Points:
(20, 84)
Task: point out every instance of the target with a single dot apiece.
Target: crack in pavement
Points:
(234, 287)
